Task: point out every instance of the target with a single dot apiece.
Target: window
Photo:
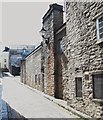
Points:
(86, 77)
(60, 47)
(35, 79)
(98, 86)
(39, 79)
(4, 60)
(78, 81)
(100, 27)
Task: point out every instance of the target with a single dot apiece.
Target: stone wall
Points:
(64, 61)
(52, 20)
(23, 72)
(85, 56)
(54, 73)
(45, 58)
(31, 70)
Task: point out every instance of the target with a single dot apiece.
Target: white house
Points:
(5, 60)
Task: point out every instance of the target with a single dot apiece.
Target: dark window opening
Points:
(4, 60)
(86, 77)
(39, 79)
(78, 81)
(35, 79)
(98, 86)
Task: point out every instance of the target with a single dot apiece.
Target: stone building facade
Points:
(31, 69)
(70, 57)
(47, 56)
(84, 48)
(52, 21)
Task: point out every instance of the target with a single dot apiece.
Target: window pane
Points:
(101, 19)
(86, 77)
(100, 27)
(101, 30)
(4, 60)
(98, 86)
(101, 24)
(101, 35)
(39, 79)
(35, 79)
(78, 87)
(60, 47)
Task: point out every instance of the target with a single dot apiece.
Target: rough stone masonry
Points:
(85, 57)
(52, 20)
(70, 62)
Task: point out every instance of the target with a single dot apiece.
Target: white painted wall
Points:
(5, 56)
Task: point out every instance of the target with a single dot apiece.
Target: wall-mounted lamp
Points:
(43, 34)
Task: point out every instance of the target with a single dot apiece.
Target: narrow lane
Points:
(28, 103)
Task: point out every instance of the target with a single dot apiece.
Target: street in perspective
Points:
(29, 103)
(51, 60)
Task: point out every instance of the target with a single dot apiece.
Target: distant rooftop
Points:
(29, 47)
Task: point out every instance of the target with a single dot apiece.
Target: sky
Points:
(22, 21)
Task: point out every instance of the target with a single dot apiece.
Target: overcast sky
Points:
(22, 21)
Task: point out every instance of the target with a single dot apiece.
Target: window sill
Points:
(95, 17)
(100, 41)
(79, 98)
(98, 100)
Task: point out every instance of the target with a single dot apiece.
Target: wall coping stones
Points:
(98, 100)
(35, 50)
(51, 8)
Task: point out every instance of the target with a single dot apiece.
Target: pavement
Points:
(61, 103)
(6, 112)
(31, 103)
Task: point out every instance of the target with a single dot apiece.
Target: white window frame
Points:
(97, 25)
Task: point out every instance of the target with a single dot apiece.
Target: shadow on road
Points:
(9, 113)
